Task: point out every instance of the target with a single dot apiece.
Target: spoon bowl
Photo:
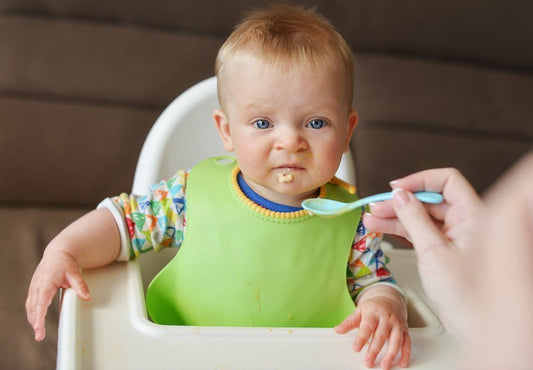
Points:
(332, 208)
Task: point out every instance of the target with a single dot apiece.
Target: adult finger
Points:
(416, 221)
(383, 209)
(384, 225)
(450, 182)
(437, 179)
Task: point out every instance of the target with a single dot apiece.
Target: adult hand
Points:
(440, 233)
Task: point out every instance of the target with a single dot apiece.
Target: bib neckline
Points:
(265, 211)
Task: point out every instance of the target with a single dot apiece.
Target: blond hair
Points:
(287, 37)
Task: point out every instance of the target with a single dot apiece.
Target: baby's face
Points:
(288, 129)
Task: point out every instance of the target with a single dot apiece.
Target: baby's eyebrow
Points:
(255, 106)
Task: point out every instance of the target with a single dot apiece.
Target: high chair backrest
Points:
(184, 134)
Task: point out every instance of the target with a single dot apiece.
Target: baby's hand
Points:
(382, 315)
(56, 270)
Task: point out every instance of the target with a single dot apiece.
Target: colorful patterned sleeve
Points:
(367, 262)
(153, 221)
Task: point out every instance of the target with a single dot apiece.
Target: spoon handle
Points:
(423, 196)
(429, 197)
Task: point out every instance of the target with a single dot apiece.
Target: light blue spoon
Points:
(332, 208)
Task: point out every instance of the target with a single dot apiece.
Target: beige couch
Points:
(438, 83)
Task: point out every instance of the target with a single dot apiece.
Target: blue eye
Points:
(316, 124)
(261, 124)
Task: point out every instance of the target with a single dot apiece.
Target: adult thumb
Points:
(422, 232)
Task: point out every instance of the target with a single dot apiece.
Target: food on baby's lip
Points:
(285, 175)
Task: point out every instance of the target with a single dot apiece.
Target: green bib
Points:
(242, 265)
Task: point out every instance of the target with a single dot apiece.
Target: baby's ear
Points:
(223, 128)
(352, 123)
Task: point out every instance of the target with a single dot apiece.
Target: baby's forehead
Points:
(245, 67)
(293, 95)
(280, 69)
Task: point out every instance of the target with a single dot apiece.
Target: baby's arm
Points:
(91, 241)
(381, 316)
(381, 310)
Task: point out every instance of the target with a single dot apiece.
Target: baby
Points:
(285, 80)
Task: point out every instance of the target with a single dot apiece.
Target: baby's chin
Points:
(295, 193)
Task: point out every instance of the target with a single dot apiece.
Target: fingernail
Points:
(400, 196)
(391, 183)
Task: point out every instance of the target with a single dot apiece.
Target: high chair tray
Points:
(112, 332)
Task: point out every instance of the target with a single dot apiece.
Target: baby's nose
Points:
(291, 140)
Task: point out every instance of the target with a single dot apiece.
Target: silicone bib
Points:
(242, 266)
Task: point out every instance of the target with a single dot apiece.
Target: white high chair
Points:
(113, 332)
